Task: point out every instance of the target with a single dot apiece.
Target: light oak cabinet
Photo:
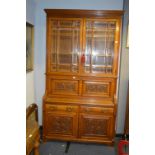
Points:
(81, 75)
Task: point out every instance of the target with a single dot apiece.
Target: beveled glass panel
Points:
(100, 46)
(98, 60)
(65, 45)
(65, 41)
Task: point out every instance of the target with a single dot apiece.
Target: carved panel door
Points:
(95, 126)
(61, 124)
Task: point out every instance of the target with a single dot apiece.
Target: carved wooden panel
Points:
(91, 88)
(65, 87)
(61, 124)
(92, 126)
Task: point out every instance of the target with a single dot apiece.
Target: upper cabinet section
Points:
(83, 42)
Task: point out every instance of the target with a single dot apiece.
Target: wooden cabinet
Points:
(81, 75)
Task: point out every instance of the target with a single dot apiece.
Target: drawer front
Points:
(68, 86)
(98, 88)
(96, 110)
(95, 126)
(61, 108)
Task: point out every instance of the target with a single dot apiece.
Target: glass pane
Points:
(100, 46)
(65, 45)
(98, 60)
(65, 41)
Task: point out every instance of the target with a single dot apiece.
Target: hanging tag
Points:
(83, 58)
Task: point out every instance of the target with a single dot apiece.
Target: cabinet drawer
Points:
(63, 86)
(97, 110)
(61, 108)
(103, 88)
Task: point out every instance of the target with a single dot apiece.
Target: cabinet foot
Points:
(67, 147)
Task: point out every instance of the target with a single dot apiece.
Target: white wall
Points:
(40, 34)
(124, 73)
(30, 17)
(29, 88)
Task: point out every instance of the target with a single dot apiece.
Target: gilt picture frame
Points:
(29, 46)
(127, 37)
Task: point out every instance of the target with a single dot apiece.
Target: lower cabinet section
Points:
(78, 123)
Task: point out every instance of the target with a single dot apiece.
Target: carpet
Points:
(58, 148)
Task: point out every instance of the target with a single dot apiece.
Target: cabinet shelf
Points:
(102, 66)
(101, 36)
(102, 55)
(65, 53)
(66, 28)
(64, 64)
(99, 66)
(100, 29)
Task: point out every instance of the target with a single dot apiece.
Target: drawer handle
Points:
(107, 111)
(87, 110)
(53, 108)
(102, 111)
(69, 109)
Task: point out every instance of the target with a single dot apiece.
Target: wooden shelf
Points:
(65, 53)
(66, 28)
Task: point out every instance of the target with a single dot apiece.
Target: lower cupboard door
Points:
(95, 127)
(61, 125)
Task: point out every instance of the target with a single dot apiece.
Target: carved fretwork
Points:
(62, 125)
(91, 88)
(65, 86)
(95, 126)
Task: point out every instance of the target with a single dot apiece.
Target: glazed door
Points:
(64, 45)
(100, 49)
(85, 46)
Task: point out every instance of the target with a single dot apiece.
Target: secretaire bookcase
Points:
(82, 58)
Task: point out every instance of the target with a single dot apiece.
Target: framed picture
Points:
(29, 46)
(127, 38)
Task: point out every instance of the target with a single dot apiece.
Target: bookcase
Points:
(80, 102)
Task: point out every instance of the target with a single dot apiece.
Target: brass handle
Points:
(53, 108)
(69, 109)
(74, 77)
(102, 111)
(87, 110)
